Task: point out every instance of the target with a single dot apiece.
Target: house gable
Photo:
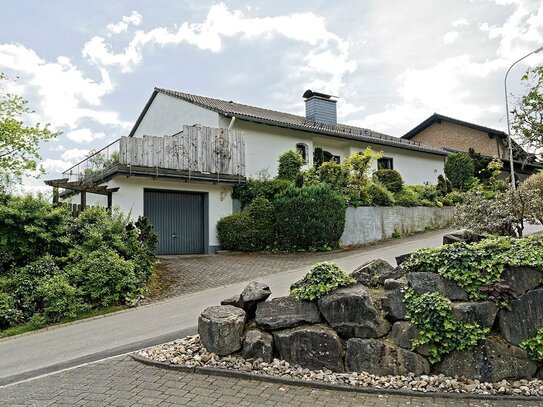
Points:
(166, 115)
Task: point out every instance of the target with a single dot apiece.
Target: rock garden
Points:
(465, 317)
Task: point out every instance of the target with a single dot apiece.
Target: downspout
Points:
(231, 122)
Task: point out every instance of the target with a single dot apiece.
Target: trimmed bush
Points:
(407, 197)
(380, 196)
(290, 164)
(459, 169)
(255, 188)
(309, 218)
(250, 230)
(444, 186)
(335, 175)
(262, 214)
(390, 179)
(232, 232)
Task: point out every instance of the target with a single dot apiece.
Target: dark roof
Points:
(438, 118)
(291, 121)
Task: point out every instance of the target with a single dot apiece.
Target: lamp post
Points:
(509, 141)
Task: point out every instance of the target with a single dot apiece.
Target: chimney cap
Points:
(309, 93)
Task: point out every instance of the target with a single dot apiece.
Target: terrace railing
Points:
(197, 149)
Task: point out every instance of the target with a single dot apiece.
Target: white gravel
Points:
(190, 352)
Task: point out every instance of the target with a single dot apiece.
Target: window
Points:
(336, 158)
(302, 149)
(385, 163)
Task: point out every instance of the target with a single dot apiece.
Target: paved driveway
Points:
(121, 381)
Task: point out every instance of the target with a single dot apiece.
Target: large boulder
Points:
(234, 301)
(375, 272)
(522, 279)
(221, 328)
(351, 313)
(481, 313)
(524, 319)
(376, 357)
(403, 333)
(257, 344)
(392, 300)
(423, 282)
(313, 347)
(286, 312)
(402, 258)
(489, 361)
(252, 294)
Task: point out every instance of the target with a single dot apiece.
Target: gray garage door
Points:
(178, 218)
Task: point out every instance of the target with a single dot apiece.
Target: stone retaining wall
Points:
(368, 224)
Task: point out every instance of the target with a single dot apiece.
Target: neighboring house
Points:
(185, 152)
(456, 135)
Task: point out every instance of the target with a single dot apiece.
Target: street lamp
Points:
(513, 185)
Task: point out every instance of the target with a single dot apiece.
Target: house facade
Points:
(452, 135)
(185, 201)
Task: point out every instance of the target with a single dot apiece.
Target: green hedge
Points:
(459, 169)
(290, 164)
(390, 179)
(62, 266)
(309, 218)
(379, 195)
(250, 230)
(247, 192)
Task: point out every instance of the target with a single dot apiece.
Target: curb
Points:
(213, 371)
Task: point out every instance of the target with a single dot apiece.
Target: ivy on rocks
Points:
(439, 330)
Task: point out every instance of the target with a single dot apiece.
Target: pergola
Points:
(83, 187)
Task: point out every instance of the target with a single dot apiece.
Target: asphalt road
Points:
(28, 356)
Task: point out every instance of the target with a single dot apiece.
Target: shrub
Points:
(309, 218)
(432, 314)
(390, 179)
(29, 228)
(60, 299)
(459, 168)
(265, 188)
(9, 315)
(318, 157)
(23, 285)
(103, 277)
(290, 164)
(534, 346)
(407, 197)
(453, 198)
(534, 185)
(232, 232)
(322, 279)
(358, 165)
(250, 230)
(335, 175)
(262, 214)
(379, 195)
(444, 185)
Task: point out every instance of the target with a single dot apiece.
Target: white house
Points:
(227, 143)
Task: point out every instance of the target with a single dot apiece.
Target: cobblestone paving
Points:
(122, 381)
(189, 274)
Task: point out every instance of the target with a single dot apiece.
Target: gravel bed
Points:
(190, 352)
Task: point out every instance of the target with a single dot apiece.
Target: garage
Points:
(179, 219)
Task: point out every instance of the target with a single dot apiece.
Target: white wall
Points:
(167, 115)
(264, 144)
(129, 198)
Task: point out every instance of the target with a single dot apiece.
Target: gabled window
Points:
(385, 163)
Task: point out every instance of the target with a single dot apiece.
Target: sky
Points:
(88, 67)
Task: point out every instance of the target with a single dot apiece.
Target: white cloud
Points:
(461, 22)
(450, 37)
(329, 54)
(84, 135)
(54, 165)
(134, 18)
(65, 94)
(74, 154)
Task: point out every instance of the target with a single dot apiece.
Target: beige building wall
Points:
(454, 136)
